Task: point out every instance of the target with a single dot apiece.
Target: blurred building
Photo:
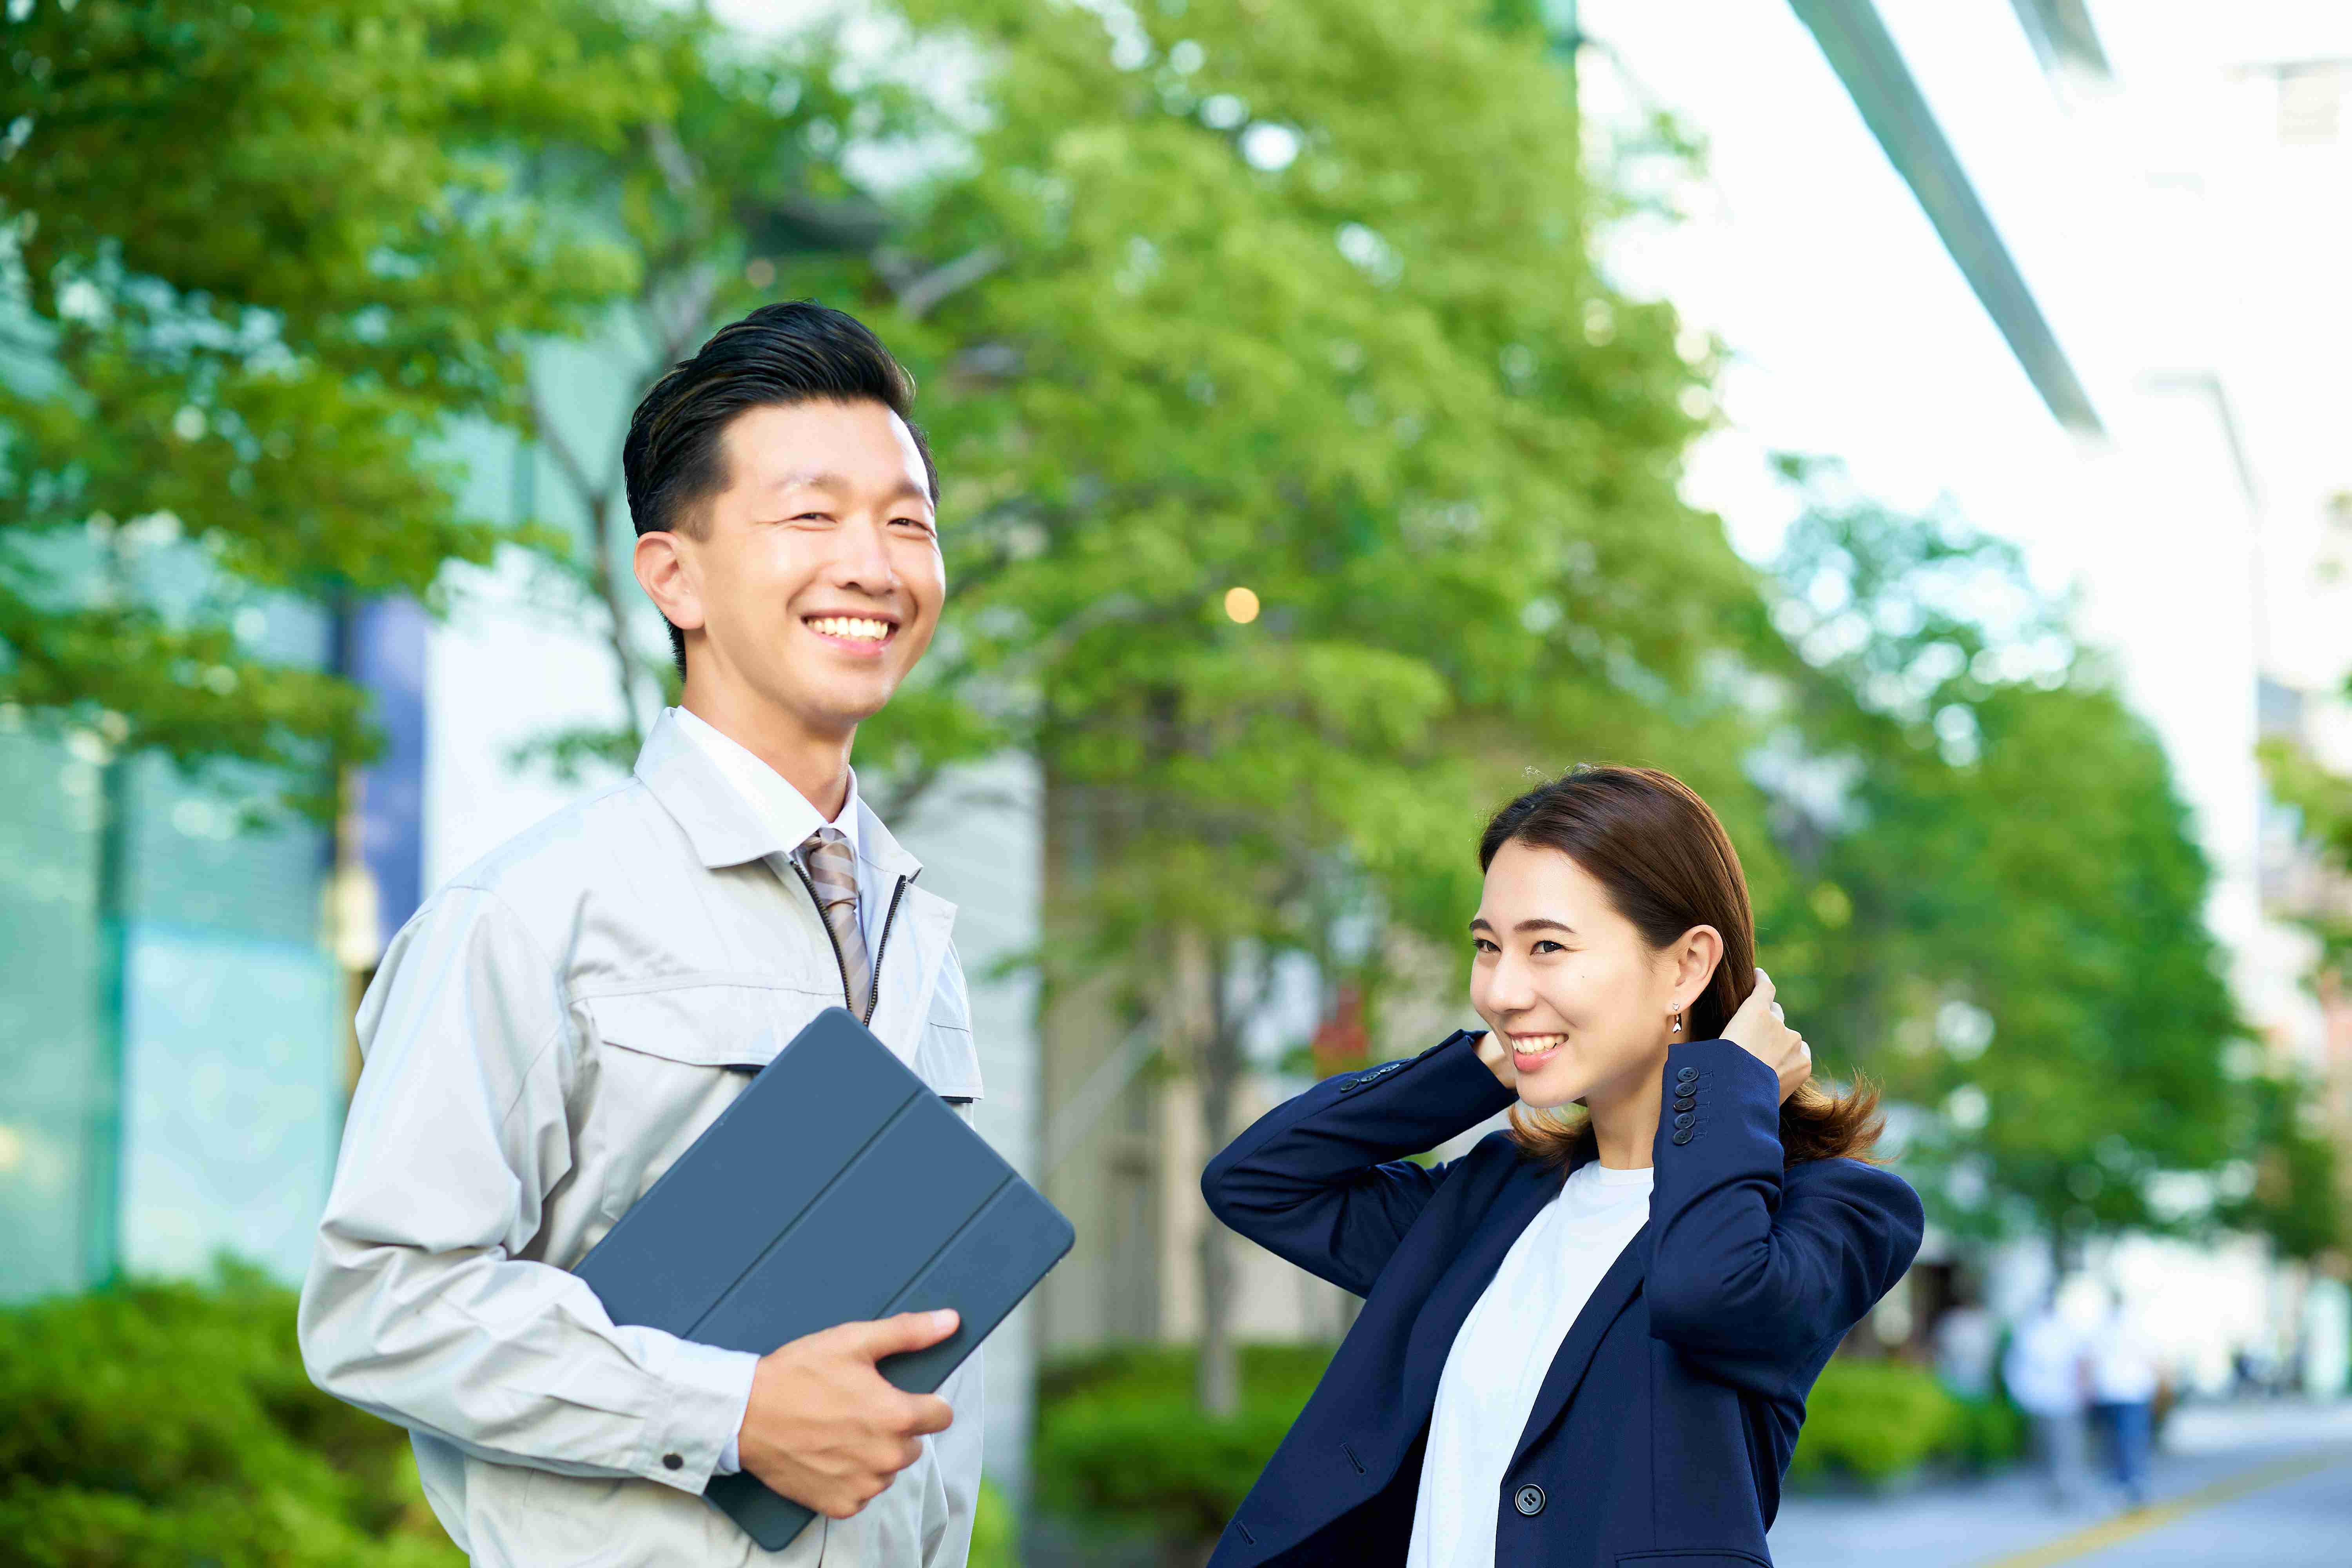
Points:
(172, 1001)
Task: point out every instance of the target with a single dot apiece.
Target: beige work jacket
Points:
(547, 1033)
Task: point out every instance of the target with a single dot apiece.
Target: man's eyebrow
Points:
(906, 490)
(1478, 923)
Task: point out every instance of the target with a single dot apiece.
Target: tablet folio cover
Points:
(838, 1188)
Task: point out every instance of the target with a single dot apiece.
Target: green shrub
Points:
(993, 1542)
(1122, 1446)
(1154, 1465)
(1992, 1432)
(1873, 1421)
(1273, 1372)
(173, 1424)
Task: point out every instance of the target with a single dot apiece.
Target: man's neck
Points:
(815, 763)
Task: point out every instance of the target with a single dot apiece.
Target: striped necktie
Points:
(833, 870)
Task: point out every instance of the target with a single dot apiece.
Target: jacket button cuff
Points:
(673, 1461)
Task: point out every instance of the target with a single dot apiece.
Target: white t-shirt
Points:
(2123, 1363)
(2045, 1369)
(1504, 1349)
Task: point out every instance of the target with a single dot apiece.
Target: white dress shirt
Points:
(1505, 1347)
(796, 818)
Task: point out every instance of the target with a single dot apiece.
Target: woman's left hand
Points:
(1759, 1029)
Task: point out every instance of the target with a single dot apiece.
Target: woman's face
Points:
(1568, 983)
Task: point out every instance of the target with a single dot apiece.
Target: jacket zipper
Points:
(890, 919)
(841, 964)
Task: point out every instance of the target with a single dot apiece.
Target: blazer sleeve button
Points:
(1530, 1500)
(1684, 1136)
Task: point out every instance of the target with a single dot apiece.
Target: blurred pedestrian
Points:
(1967, 1339)
(2122, 1393)
(2046, 1375)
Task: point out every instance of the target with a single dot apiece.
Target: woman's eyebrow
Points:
(1478, 923)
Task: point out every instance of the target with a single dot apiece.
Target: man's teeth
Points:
(850, 626)
(1536, 1045)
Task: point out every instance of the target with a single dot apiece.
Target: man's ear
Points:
(666, 571)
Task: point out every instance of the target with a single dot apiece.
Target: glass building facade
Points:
(174, 1021)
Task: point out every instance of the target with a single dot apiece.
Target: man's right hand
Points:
(828, 1430)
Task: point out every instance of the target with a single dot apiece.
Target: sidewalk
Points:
(1976, 1525)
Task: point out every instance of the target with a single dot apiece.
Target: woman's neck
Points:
(1625, 1117)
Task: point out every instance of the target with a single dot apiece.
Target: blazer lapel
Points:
(1609, 1299)
(1527, 1188)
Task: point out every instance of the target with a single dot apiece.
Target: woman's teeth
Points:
(1536, 1044)
(854, 626)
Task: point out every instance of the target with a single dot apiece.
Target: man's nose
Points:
(861, 560)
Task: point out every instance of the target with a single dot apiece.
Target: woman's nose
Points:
(1509, 988)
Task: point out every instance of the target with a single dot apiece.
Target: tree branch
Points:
(919, 294)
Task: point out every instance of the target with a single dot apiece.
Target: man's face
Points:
(818, 577)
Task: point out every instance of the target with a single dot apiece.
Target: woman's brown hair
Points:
(1667, 866)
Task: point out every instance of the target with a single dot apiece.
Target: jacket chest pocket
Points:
(668, 1062)
(663, 1065)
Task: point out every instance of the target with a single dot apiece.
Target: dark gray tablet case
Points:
(838, 1188)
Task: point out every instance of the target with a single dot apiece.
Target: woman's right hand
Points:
(1497, 1057)
(1759, 1030)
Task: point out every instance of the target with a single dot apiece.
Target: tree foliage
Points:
(2003, 902)
(1305, 481)
(252, 260)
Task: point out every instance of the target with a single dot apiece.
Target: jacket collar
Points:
(1611, 1297)
(1525, 1189)
(879, 848)
(723, 826)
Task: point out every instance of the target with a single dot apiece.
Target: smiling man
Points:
(556, 1025)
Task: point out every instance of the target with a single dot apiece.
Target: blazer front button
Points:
(1530, 1500)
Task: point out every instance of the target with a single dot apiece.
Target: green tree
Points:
(1304, 483)
(252, 260)
(2001, 902)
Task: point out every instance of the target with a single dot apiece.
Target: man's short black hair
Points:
(798, 351)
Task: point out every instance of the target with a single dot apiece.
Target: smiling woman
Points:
(1614, 900)
(1580, 1344)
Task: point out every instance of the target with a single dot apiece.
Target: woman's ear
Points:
(1695, 952)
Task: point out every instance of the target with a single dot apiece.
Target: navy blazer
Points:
(1666, 1423)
